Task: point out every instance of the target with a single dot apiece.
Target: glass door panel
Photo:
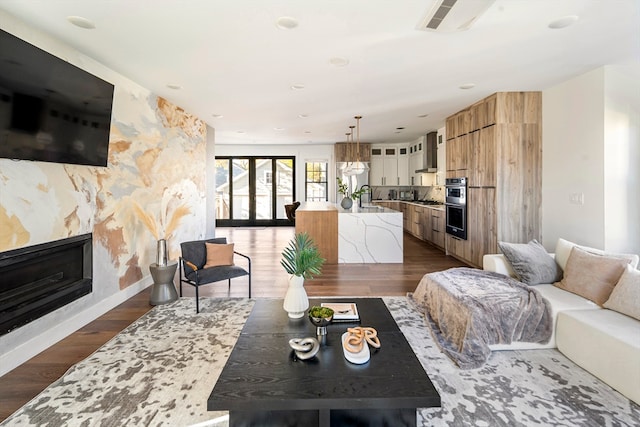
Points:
(284, 186)
(241, 200)
(264, 189)
(223, 190)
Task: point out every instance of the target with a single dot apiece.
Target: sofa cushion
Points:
(625, 297)
(531, 262)
(605, 343)
(591, 276)
(563, 250)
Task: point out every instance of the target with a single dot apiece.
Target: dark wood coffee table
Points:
(264, 384)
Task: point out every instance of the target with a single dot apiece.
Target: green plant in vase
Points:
(302, 260)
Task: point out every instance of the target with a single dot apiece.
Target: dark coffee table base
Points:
(325, 418)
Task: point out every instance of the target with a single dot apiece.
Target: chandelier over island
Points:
(356, 167)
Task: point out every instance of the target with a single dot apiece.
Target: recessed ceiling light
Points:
(303, 116)
(81, 22)
(307, 131)
(338, 61)
(563, 22)
(286, 23)
(297, 87)
(217, 116)
(278, 128)
(174, 86)
(467, 86)
(240, 131)
(400, 128)
(422, 116)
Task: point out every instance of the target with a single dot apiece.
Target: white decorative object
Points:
(296, 301)
(305, 348)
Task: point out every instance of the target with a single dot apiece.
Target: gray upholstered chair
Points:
(192, 271)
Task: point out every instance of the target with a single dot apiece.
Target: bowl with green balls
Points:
(320, 317)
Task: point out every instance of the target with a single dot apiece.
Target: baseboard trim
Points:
(19, 355)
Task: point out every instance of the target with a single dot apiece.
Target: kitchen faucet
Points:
(362, 194)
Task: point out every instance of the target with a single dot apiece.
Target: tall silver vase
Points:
(162, 252)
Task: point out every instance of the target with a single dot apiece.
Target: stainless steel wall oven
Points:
(456, 207)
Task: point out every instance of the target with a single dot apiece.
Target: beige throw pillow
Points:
(219, 254)
(563, 250)
(625, 297)
(591, 276)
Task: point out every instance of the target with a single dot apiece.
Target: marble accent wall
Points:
(152, 188)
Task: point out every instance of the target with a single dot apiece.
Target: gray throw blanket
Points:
(469, 309)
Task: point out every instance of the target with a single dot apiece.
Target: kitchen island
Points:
(371, 234)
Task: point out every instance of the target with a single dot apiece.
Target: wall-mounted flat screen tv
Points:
(51, 110)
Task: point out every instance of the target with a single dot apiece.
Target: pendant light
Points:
(358, 167)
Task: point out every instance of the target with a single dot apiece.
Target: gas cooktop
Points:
(428, 202)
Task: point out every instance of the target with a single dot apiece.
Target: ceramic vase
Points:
(346, 203)
(296, 301)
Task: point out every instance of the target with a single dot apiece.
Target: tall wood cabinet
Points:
(497, 144)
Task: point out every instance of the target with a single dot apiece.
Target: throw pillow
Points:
(531, 262)
(563, 250)
(219, 254)
(625, 297)
(591, 276)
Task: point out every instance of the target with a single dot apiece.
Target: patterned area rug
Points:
(160, 371)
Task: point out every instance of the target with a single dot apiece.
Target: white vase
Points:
(296, 300)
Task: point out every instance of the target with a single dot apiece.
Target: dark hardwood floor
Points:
(264, 246)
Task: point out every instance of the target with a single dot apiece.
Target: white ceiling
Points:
(231, 59)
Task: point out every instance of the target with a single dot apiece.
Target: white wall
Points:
(590, 128)
(302, 154)
(622, 158)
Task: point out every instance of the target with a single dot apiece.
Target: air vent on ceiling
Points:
(453, 15)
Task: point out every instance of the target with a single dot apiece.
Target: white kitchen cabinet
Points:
(416, 161)
(376, 170)
(384, 165)
(403, 165)
(442, 157)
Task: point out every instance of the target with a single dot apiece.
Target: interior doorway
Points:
(252, 191)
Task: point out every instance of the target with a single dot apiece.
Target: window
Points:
(316, 185)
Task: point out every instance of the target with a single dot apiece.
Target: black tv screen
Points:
(51, 110)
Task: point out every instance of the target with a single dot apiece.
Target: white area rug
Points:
(161, 369)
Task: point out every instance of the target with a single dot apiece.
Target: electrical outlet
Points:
(577, 199)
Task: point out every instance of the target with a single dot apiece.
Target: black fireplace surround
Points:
(37, 280)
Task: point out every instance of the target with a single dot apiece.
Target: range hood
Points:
(430, 160)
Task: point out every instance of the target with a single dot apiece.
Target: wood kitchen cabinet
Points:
(436, 227)
(497, 144)
(417, 220)
(459, 153)
(346, 152)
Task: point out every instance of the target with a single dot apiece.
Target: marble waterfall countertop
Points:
(370, 234)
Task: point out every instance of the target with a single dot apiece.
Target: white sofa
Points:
(602, 341)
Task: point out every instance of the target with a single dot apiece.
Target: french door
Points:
(252, 191)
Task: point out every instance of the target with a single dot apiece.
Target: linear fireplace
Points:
(39, 279)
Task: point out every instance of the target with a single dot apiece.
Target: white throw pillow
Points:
(625, 297)
(563, 250)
